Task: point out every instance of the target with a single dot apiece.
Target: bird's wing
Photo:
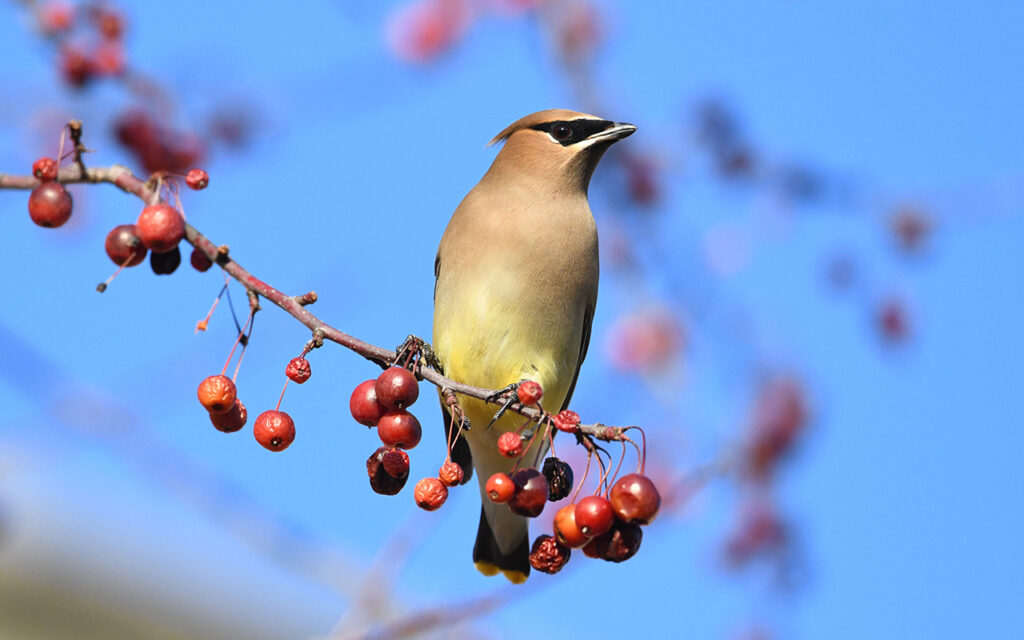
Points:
(460, 450)
(588, 319)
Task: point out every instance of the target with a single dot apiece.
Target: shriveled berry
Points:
(500, 488)
(510, 444)
(363, 404)
(45, 169)
(124, 247)
(531, 493)
(49, 205)
(200, 261)
(298, 370)
(529, 392)
(197, 179)
(396, 463)
(166, 263)
(399, 429)
(451, 474)
(567, 421)
(275, 430)
(430, 493)
(161, 227)
(547, 555)
(559, 476)
(635, 499)
(217, 394)
(618, 544)
(231, 420)
(381, 481)
(397, 388)
(594, 515)
(566, 530)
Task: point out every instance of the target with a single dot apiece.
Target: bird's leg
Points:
(507, 396)
(416, 351)
(456, 411)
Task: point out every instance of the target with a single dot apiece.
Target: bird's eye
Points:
(561, 132)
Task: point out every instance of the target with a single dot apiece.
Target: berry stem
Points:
(101, 287)
(60, 148)
(251, 322)
(202, 324)
(285, 388)
(241, 334)
(586, 472)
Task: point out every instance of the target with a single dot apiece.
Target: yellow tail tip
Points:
(488, 569)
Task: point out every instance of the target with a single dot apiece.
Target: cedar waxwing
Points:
(514, 296)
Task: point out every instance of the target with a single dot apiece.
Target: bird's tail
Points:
(502, 543)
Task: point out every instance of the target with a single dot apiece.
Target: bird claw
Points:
(510, 398)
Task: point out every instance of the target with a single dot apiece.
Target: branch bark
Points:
(149, 192)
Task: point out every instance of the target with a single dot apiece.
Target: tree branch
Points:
(149, 192)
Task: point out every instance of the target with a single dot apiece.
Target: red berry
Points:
(108, 58)
(55, 17)
(547, 555)
(166, 263)
(531, 493)
(363, 404)
(430, 493)
(451, 474)
(217, 394)
(381, 481)
(594, 515)
(510, 444)
(529, 392)
(396, 463)
(399, 429)
(109, 23)
(197, 179)
(567, 421)
(635, 499)
(45, 169)
(231, 420)
(49, 205)
(298, 370)
(161, 227)
(200, 261)
(75, 66)
(618, 544)
(500, 488)
(275, 430)
(124, 247)
(566, 530)
(397, 388)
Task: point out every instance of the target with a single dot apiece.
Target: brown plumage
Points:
(516, 288)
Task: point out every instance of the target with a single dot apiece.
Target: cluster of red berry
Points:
(159, 228)
(383, 403)
(156, 145)
(89, 37)
(274, 429)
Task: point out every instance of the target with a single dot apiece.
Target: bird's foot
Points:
(507, 396)
(416, 352)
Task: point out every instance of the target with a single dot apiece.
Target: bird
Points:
(515, 290)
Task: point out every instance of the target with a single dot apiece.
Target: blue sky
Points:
(906, 494)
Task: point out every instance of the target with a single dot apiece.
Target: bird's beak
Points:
(617, 131)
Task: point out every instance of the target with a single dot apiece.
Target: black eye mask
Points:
(568, 132)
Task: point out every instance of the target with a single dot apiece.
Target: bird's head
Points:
(556, 147)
